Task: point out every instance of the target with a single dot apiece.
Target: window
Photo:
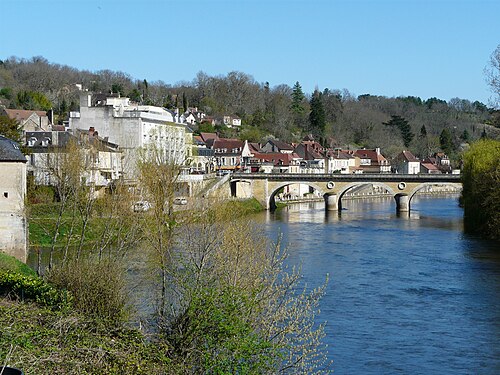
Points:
(6, 194)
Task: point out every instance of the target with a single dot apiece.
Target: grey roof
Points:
(9, 151)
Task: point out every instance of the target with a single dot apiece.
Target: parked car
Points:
(180, 200)
(142, 206)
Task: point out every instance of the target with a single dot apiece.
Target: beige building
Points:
(13, 226)
(133, 127)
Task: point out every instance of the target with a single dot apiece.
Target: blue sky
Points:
(388, 47)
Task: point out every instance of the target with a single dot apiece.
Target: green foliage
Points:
(35, 289)
(217, 324)
(446, 141)
(44, 342)
(481, 188)
(317, 117)
(298, 98)
(11, 129)
(7, 93)
(465, 136)
(404, 128)
(33, 100)
(206, 127)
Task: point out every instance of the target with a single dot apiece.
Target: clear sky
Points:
(422, 48)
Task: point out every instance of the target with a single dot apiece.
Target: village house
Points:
(275, 145)
(405, 162)
(372, 161)
(102, 159)
(29, 120)
(312, 155)
(338, 161)
(427, 167)
(275, 162)
(227, 153)
(13, 226)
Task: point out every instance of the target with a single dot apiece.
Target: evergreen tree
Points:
(184, 101)
(446, 141)
(298, 99)
(465, 136)
(317, 117)
(404, 128)
(423, 132)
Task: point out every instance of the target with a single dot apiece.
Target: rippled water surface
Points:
(408, 295)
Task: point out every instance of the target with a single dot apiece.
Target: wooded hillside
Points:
(334, 117)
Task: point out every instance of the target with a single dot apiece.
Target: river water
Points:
(407, 294)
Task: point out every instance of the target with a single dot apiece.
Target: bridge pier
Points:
(331, 202)
(402, 202)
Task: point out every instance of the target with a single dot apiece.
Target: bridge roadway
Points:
(264, 186)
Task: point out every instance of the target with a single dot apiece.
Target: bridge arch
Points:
(278, 187)
(353, 185)
(245, 188)
(457, 186)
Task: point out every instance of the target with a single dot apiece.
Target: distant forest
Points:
(335, 117)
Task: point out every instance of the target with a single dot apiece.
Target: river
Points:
(407, 294)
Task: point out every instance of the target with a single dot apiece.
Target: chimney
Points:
(377, 150)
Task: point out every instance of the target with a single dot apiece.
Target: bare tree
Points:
(492, 72)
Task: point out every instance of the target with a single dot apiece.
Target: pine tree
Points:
(423, 132)
(446, 141)
(317, 117)
(298, 99)
(404, 128)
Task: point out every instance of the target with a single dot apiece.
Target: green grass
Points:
(243, 207)
(43, 221)
(9, 263)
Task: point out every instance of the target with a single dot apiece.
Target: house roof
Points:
(206, 136)
(373, 155)
(9, 151)
(280, 144)
(309, 150)
(277, 158)
(22, 114)
(407, 156)
(227, 144)
(430, 167)
(338, 154)
(254, 147)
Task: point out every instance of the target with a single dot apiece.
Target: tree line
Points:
(336, 118)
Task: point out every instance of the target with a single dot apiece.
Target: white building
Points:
(13, 227)
(133, 127)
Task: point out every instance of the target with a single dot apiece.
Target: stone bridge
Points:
(265, 186)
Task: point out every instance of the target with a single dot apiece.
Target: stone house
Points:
(13, 226)
(29, 120)
(405, 162)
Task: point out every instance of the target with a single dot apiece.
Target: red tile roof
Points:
(23, 114)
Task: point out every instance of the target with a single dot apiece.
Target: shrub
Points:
(33, 288)
(97, 287)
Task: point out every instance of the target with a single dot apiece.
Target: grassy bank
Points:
(43, 332)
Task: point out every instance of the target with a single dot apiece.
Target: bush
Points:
(33, 288)
(481, 188)
(97, 287)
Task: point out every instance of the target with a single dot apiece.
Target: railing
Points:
(389, 177)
